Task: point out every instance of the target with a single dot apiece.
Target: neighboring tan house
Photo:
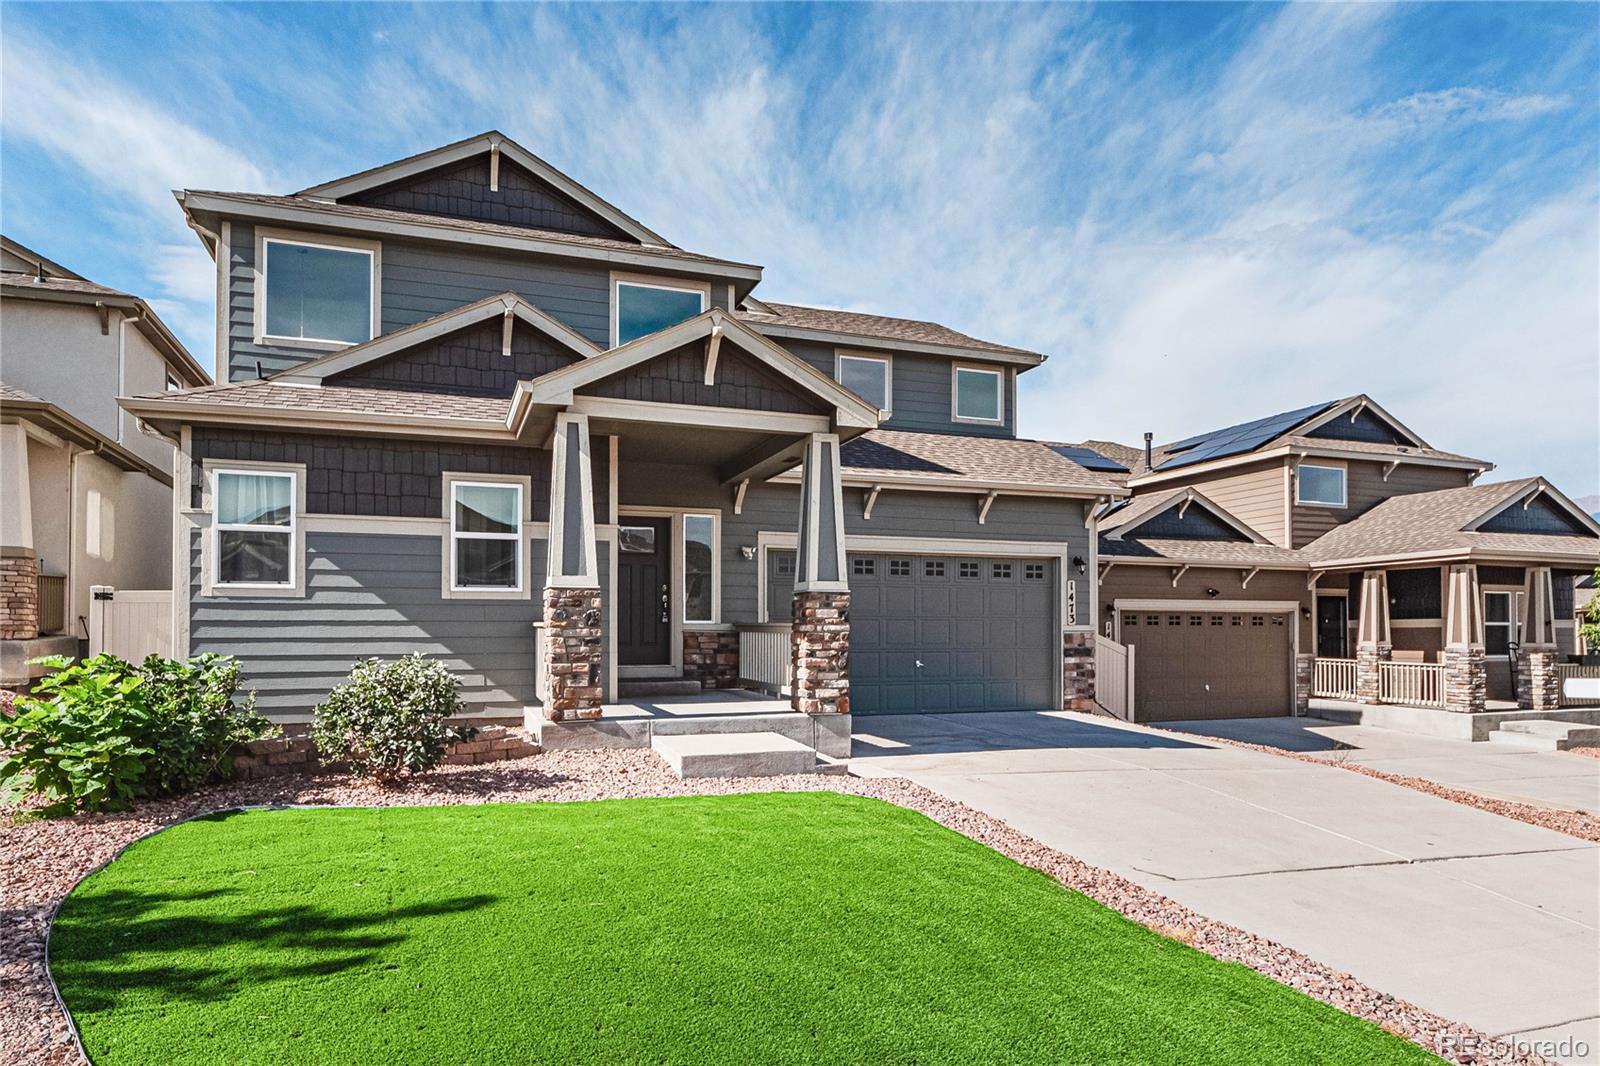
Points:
(475, 410)
(87, 496)
(1239, 566)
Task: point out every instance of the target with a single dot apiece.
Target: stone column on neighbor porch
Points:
(820, 645)
(1466, 678)
(19, 567)
(1373, 647)
(1538, 685)
(573, 649)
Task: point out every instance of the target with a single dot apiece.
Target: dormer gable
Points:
(1185, 514)
(1540, 509)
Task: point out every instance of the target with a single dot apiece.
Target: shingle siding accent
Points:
(468, 362)
(679, 377)
(1366, 427)
(461, 190)
(1540, 516)
(1196, 523)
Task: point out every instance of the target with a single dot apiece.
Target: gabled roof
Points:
(557, 386)
(506, 303)
(1121, 539)
(37, 262)
(1124, 519)
(826, 324)
(1444, 524)
(487, 143)
(20, 403)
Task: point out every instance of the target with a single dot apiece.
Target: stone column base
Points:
(1077, 672)
(572, 653)
(19, 594)
(711, 658)
(1369, 684)
(1466, 678)
(1303, 667)
(820, 646)
(1538, 684)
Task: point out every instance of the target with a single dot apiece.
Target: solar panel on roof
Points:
(1088, 458)
(1235, 440)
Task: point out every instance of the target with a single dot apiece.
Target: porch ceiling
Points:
(644, 442)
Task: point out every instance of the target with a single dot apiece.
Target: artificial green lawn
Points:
(759, 928)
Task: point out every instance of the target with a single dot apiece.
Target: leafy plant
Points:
(1591, 617)
(389, 718)
(100, 733)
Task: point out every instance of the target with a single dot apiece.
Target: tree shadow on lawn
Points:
(108, 944)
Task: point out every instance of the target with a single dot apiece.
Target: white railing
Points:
(130, 623)
(1334, 679)
(1566, 670)
(765, 659)
(1412, 684)
(1113, 677)
(541, 681)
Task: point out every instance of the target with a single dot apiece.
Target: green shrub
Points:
(389, 718)
(97, 735)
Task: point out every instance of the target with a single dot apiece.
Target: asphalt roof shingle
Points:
(955, 457)
(858, 324)
(1187, 551)
(341, 398)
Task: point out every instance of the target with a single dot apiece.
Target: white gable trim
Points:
(1534, 488)
(507, 303)
(490, 143)
(1187, 498)
(1351, 408)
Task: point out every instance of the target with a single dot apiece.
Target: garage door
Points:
(944, 633)
(1209, 664)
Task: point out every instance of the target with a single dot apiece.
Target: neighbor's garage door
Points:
(943, 633)
(1209, 665)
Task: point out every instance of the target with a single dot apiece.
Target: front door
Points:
(1333, 627)
(644, 623)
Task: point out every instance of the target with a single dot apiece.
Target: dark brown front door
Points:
(1333, 630)
(644, 627)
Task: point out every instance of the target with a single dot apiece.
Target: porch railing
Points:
(1412, 684)
(1334, 679)
(1113, 677)
(52, 603)
(541, 683)
(765, 659)
(1566, 670)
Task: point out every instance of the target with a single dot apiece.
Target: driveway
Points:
(1479, 918)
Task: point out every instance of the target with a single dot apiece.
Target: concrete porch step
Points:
(1544, 734)
(633, 690)
(734, 754)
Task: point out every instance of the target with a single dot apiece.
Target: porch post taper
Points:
(1465, 672)
(572, 647)
(1373, 646)
(1538, 685)
(19, 567)
(820, 644)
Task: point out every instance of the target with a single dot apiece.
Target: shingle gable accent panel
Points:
(468, 362)
(1540, 516)
(461, 190)
(1366, 427)
(678, 376)
(1196, 523)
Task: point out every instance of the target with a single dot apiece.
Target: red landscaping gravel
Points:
(41, 861)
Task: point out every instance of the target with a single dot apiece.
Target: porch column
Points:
(820, 645)
(19, 567)
(572, 647)
(1538, 686)
(1465, 675)
(1373, 647)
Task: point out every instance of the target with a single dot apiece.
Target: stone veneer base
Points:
(711, 657)
(1538, 684)
(19, 594)
(820, 646)
(298, 754)
(1077, 672)
(572, 653)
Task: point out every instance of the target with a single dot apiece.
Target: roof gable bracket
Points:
(1244, 582)
(713, 345)
(872, 499)
(1183, 507)
(1107, 567)
(1313, 578)
(494, 164)
(1389, 468)
(983, 508)
(738, 496)
(1177, 574)
(505, 331)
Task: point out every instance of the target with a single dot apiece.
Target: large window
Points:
(1320, 485)
(485, 536)
(643, 308)
(868, 376)
(254, 529)
(316, 293)
(977, 395)
(699, 568)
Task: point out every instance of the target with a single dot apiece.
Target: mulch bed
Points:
(40, 861)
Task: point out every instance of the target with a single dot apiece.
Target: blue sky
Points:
(1204, 213)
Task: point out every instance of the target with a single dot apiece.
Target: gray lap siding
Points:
(921, 386)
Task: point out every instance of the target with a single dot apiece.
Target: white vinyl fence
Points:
(1566, 670)
(1113, 677)
(765, 657)
(130, 623)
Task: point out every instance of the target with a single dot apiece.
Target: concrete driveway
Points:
(1479, 918)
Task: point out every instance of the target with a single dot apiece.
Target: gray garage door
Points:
(1209, 664)
(943, 633)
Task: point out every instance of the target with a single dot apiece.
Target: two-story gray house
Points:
(475, 410)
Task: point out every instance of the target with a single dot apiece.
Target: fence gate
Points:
(1113, 677)
(130, 623)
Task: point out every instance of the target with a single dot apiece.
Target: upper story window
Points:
(868, 376)
(1321, 485)
(254, 529)
(485, 536)
(173, 384)
(640, 308)
(977, 395)
(320, 292)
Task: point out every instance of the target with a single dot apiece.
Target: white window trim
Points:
(956, 370)
(1512, 617)
(1344, 485)
(682, 567)
(210, 553)
(651, 281)
(264, 237)
(841, 354)
(448, 588)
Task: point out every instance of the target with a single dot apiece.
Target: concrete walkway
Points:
(1481, 919)
(1547, 778)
